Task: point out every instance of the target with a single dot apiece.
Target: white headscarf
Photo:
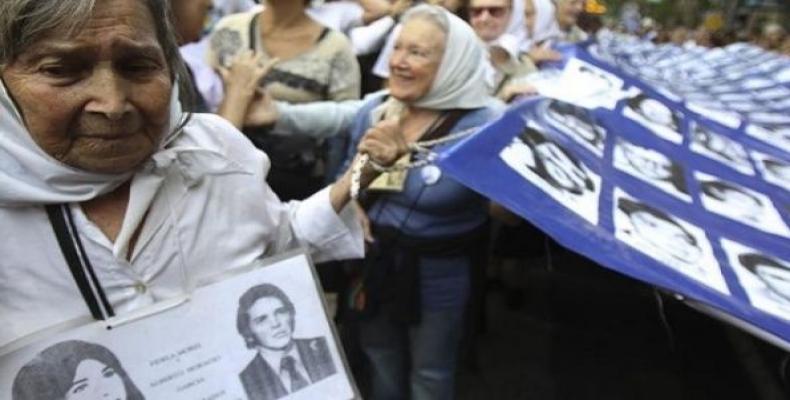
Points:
(29, 176)
(460, 80)
(546, 25)
(516, 27)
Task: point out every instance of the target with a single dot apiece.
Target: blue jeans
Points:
(414, 362)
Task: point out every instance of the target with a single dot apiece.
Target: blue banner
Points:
(669, 165)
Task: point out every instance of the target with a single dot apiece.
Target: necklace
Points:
(421, 147)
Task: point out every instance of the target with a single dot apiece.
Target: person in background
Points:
(316, 63)
(773, 36)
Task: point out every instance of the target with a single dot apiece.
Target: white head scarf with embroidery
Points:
(460, 81)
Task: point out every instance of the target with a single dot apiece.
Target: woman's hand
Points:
(262, 111)
(513, 90)
(241, 82)
(384, 144)
(543, 53)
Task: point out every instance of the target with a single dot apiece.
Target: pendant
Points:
(430, 174)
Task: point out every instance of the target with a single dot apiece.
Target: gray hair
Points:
(24, 22)
(434, 14)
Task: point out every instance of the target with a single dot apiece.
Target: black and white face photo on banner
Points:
(765, 278)
(655, 116)
(775, 135)
(667, 239)
(741, 204)
(545, 163)
(652, 167)
(585, 85)
(718, 147)
(576, 122)
(260, 335)
(773, 170)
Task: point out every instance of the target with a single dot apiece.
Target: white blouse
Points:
(195, 227)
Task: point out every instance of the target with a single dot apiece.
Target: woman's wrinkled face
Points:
(568, 12)
(94, 380)
(415, 60)
(489, 18)
(96, 100)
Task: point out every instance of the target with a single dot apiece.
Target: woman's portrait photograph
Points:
(555, 170)
(652, 167)
(74, 370)
(765, 278)
(667, 239)
(655, 116)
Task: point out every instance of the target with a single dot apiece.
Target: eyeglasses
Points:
(495, 11)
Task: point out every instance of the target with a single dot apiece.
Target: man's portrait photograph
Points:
(666, 238)
(741, 204)
(282, 364)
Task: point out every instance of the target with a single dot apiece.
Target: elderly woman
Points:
(425, 235)
(425, 226)
(115, 198)
(74, 370)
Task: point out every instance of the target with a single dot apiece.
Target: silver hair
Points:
(24, 22)
(434, 14)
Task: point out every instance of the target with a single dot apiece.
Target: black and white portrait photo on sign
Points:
(720, 148)
(651, 166)
(577, 123)
(585, 85)
(667, 239)
(769, 117)
(740, 204)
(551, 167)
(775, 135)
(655, 116)
(282, 364)
(764, 278)
(716, 111)
(261, 332)
(774, 170)
(74, 370)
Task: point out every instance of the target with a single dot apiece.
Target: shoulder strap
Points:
(81, 269)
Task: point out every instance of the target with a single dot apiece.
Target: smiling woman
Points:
(99, 158)
(74, 370)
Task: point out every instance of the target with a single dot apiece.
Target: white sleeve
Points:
(328, 235)
(368, 39)
(319, 120)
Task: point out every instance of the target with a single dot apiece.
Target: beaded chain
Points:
(423, 147)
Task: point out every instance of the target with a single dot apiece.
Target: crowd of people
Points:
(130, 128)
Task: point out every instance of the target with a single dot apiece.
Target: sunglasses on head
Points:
(496, 11)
